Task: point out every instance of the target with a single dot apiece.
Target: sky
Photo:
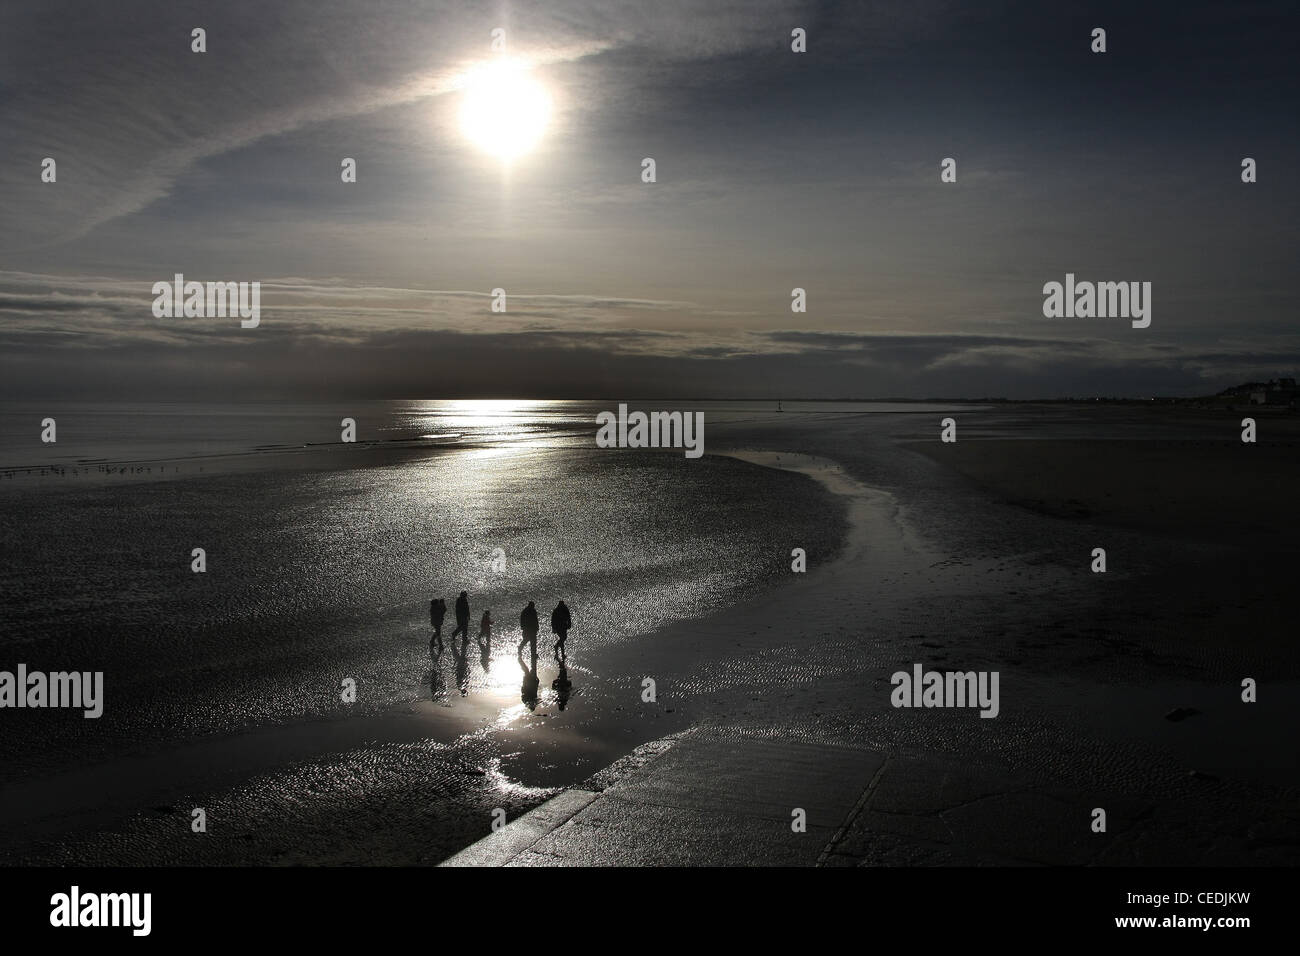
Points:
(774, 170)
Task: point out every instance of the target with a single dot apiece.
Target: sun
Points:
(504, 111)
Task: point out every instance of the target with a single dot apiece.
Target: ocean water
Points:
(321, 566)
(147, 435)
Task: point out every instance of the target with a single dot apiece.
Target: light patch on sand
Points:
(878, 533)
(504, 784)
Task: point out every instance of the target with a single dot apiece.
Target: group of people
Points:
(561, 621)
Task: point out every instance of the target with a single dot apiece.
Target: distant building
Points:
(1278, 391)
(1281, 392)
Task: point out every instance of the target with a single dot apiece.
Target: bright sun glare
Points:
(504, 110)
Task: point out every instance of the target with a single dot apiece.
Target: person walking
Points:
(529, 627)
(561, 621)
(437, 613)
(462, 616)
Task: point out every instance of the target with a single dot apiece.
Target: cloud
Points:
(321, 335)
(116, 311)
(817, 171)
(125, 108)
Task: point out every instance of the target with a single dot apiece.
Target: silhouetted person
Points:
(560, 624)
(562, 685)
(462, 616)
(437, 614)
(529, 627)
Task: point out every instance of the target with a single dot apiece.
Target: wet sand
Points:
(1212, 490)
(1084, 695)
(950, 562)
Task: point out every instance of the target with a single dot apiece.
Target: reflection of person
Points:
(462, 664)
(485, 641)
(436, 687)
(528, 689)
(462, 615)
(562, 686)
(560, 624)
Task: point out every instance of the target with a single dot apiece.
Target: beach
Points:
(969, 557)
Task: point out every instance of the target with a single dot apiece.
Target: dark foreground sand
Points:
(1211, 490)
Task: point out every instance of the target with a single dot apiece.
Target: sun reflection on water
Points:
(490, 420)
